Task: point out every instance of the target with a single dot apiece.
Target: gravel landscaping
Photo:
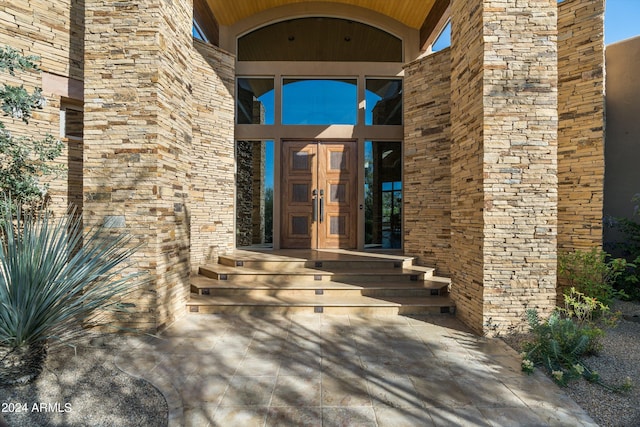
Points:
(82, 387)
(619, 359)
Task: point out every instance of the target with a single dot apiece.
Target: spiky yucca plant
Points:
(53, 281)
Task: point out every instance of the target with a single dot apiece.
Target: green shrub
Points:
(24, 160)
(592, 273)
(53, 282)
(558, 345)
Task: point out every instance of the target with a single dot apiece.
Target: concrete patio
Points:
(321, 370)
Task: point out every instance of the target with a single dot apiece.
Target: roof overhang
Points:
(423, 15)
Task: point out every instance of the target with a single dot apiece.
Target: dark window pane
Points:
(338, 161)
(255, 101)
(73, 123)
(300, 193)
(300, 161)
(300, 225)
(337, 193)
(337, 225)
(319, 39)
(384, 102)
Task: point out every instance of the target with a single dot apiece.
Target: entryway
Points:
(319, 195)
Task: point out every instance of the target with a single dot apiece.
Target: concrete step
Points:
(337, 282)
(330, 260)
(361, 305)
(250, 275)
(203, 285)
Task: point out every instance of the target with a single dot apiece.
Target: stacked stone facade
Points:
(140, 127)
(211, 210)
(54, 32)
(427, 161)
(581, 123)
(504, 142)
(503, 154)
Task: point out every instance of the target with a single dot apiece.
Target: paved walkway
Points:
(320, 370)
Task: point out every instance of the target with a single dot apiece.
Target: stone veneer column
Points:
(581, 124)
(503, 159)
(138, 140)
(427, 161)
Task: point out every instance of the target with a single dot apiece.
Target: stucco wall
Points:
(581, 123)
(427, 163)
(622, 147)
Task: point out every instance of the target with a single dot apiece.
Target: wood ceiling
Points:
(412, 13)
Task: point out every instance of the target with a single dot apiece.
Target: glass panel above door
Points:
(255, 101)
(319, 102)
(384, 102)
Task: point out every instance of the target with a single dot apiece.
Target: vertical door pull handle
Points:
(314, 201)
(321, 205)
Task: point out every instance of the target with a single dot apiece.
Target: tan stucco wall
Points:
(622, 146)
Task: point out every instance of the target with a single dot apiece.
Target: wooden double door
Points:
(319, 195)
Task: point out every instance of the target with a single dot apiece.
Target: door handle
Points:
(314, 204)
(321, 205)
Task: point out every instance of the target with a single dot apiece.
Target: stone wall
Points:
(137, 141)
(467, 198)
(427, 162)
(54, 32)
(581, 123)
(503, 160)
(174, 145)
(212, 192)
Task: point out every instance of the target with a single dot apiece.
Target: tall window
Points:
(383, 194)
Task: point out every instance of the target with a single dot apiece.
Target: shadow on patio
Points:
(321, 370)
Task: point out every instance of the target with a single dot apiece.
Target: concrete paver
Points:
(322, 370)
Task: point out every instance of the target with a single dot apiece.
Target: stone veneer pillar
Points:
(137, 141)
(503, 160)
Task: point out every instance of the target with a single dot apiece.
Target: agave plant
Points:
(54, 280)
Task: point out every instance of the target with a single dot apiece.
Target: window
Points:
(255, 101)
(443, 40)
(384, 102)
(319, 102)
(254, 193)
(383, 194)
(71, 121)
(320, 39)
(196, 32)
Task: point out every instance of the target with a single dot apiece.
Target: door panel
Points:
(299, 170)
(319, 195)
(337, 173)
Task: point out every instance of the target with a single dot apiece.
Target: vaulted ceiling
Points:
(423, 15)
(410, 12)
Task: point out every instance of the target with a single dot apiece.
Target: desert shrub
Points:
(55, 281)
(593, 273)
(560, 343)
